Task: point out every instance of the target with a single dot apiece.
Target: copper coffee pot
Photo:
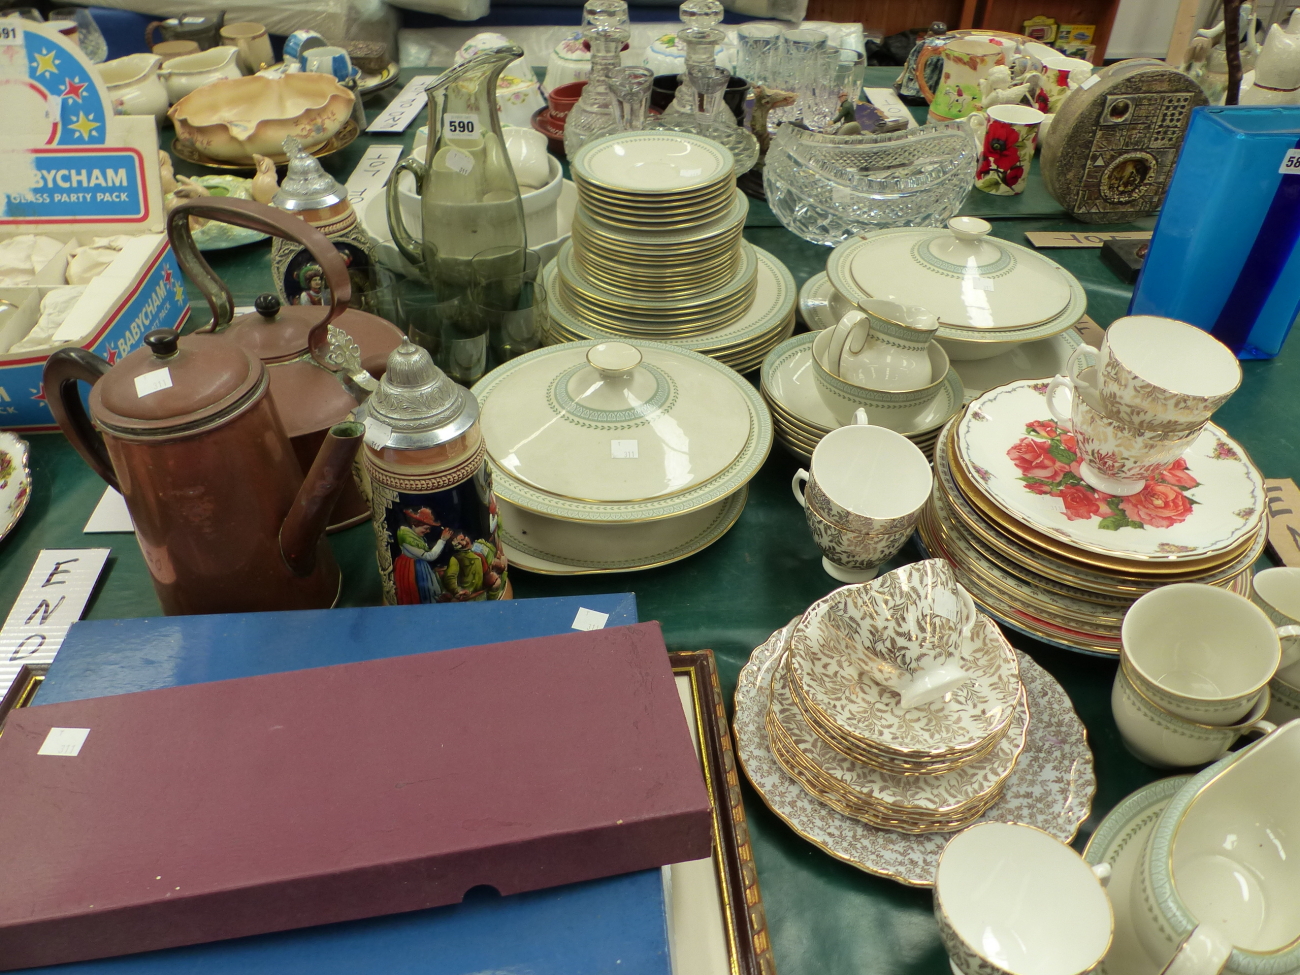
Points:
(225, 520)
(317, 363)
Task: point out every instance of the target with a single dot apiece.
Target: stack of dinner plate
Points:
(1049, 555)
(657, 253)
(847, 739)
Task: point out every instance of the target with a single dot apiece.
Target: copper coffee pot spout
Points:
(303, 530)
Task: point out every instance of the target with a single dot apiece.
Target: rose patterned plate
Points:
(1206, 503)
(1051, 786)
(15, 480)
(915, 617)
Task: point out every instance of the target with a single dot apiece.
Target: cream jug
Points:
(884, 345)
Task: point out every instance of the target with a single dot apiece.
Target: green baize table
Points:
(825, 917)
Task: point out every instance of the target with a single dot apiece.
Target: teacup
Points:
(864, 496)
(1158, 373)
(1284, 701)
(1200, 652)
(884, 345)
(1165, 740)
(1117, 458)
(1008, 135)
(328, 60)
(253, 42)
(1277, 593)
(894, 409)
(1012, 900)
(167, 50)
(1061, 75)
(300, 42)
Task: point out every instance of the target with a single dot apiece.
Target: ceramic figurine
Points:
(166, 173)
(1277, 69)
(432, 505)
(265, 183)
(1111, 149)
(766, 99)
(316, 196)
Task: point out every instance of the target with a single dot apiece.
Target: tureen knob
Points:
(613, 359)
(161, 342)
(969, 228)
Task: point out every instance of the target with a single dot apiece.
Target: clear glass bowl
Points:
(826, 188)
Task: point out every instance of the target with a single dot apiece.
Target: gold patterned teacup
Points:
(1012, 900)
(1117, 458)
(1158, 373)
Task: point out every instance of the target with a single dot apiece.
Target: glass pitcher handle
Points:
(408, 245)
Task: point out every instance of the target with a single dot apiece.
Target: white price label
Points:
(368, 179)
(623, 449)
(461, 126)
(63, 741)
(589, 619)
(981, 284)
(1090, 82)
(403, 109)
(841, 195)
(11, 32)
(1290, 162)
(152, 382)
(377, 433)
(460, 162)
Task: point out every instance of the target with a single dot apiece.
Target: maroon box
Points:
(239, 807)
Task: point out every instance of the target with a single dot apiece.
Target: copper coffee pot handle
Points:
(62, 371)
(267, 220)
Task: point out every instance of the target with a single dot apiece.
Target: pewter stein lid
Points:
(416, 406)
(306, 185)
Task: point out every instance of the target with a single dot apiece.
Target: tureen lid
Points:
(613, 422)
(417, 405)
(961, 274)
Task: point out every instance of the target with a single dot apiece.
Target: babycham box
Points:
(83, 257)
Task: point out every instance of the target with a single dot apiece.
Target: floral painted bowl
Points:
(15, 480)
(230, 120)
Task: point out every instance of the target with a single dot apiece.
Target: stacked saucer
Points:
(657, 253)
(844, 735)
(1049, 555)
(801, 417)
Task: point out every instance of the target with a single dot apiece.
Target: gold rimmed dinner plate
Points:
(727, 226)
(588, 195)
(1132, 567)
(673, 216)
(720, 244)
(1125, 580)
(726, 258)
(590, 189)
(682, 312)
(572, 278)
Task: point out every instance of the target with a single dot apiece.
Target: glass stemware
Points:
(760, 45)
(632, 86)
(88, 34)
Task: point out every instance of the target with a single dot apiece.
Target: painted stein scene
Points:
(781, 488)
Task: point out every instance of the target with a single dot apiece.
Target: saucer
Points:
(1051, 786)
(788, 379)
(1119, 841)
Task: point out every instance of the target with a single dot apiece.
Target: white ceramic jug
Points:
(1218, 888)
(186, 74)
(134, 85)
(884, 345)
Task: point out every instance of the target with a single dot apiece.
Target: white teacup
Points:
(1012, 900)
(1277, 593)
(1158, 373)
(1159, 738)
(1201, 652)
(884, 345)
(864, 495)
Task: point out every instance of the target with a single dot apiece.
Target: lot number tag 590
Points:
(460, 126)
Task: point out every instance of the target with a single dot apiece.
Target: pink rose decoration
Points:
(1178, 475)
(1034, 459)
(1044, 428)
(1158, 505)
(1080, 502)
